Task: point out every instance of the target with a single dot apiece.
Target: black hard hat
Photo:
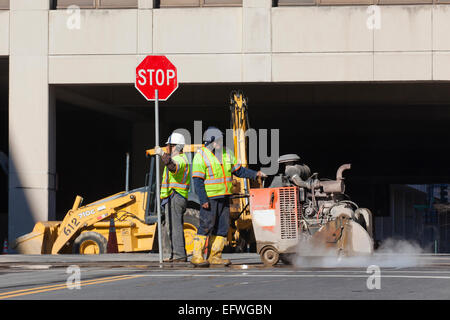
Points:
(212, 134)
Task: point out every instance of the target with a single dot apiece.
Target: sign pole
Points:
(156, 78)
(158, 200)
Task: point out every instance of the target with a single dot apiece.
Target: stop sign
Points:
(156, 73)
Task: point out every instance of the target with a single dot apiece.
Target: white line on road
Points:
(292, 276)
(271, 272)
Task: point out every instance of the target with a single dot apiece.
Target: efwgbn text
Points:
(225, 310)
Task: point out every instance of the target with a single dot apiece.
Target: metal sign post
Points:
(156, 79)
(158, 199)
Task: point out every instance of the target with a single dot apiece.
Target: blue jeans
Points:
(215, 220)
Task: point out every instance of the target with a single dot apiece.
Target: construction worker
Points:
(213, 166)
(174, 194)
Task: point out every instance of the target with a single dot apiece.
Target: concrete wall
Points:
(4, 32)
(256, 43)
(250, 44)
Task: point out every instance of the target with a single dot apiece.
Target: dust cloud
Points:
(392, 253)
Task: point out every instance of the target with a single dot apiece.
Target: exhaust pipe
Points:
(341, 169)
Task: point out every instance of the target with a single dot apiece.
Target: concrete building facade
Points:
(252, 42)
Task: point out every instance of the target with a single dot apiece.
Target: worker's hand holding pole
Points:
(159, 151)
(261, 174)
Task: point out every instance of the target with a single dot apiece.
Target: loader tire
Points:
(90, 243)
(190, 226)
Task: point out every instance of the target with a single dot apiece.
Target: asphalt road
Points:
(69, 278)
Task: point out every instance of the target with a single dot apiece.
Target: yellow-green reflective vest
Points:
(176, 181)
(217, 176)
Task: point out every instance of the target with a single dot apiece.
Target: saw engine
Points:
(322, 220)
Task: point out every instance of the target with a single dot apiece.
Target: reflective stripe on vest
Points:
(176, 181)
(219, 180)
(207, 162)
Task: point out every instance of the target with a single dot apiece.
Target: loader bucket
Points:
(40, 240)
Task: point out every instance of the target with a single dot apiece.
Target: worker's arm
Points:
(246, 173)
(168, 162)
(166, 159)
(238, 170)
(199, 185)
(198, 176)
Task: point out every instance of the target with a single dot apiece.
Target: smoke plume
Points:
(392, 253)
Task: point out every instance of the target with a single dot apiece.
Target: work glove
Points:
(159, 151)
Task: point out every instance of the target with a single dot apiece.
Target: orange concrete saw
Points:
(298, 214)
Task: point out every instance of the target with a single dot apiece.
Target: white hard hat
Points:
(176, 138)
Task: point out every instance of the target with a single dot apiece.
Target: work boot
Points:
(215, 258)
(179, 260)
(197, 255)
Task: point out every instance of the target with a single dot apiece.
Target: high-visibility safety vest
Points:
(217, 176)
(176, 181)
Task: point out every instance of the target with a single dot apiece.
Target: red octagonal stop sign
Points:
(156, 73)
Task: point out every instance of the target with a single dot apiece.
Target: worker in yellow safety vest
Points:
(174, 193)
(212, 170)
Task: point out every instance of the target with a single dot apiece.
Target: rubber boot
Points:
(215, 258)
(197, 255)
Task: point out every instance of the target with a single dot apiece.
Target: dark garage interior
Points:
(391, 133)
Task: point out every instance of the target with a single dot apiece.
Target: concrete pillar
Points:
(145, 4)
(31, 119)
(145, 27)
(256, 41)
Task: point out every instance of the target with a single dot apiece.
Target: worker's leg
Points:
(178, 208)
(223, 217)
(219, 239)
(166, 233)
(208, 218)
(207, 221)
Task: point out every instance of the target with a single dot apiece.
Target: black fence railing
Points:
(123, 4)
(196, 3)
(95, 4)
(105, 4)
(283, 3)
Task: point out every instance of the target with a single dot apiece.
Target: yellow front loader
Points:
(86, 229)
(122, 222)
